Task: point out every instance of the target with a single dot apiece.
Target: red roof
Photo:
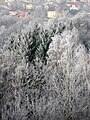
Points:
(76, 5)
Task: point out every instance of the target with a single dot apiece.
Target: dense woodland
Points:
(45, 72)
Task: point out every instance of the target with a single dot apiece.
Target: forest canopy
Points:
(45, 72)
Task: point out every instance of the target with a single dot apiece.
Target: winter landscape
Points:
(44, 59)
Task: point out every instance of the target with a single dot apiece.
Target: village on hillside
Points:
(44, 59)
(46, 9)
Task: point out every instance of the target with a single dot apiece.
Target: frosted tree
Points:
(45, 74)
(67, 76)
(83, 25)
(28, 82)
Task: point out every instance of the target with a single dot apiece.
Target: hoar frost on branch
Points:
(45, 74)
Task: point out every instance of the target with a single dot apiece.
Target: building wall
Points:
(51, 14)
(29, 6)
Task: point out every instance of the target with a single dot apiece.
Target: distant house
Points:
(12, 13)
(51, 13)
(23, 15)
(29, 6)
(73, 6)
